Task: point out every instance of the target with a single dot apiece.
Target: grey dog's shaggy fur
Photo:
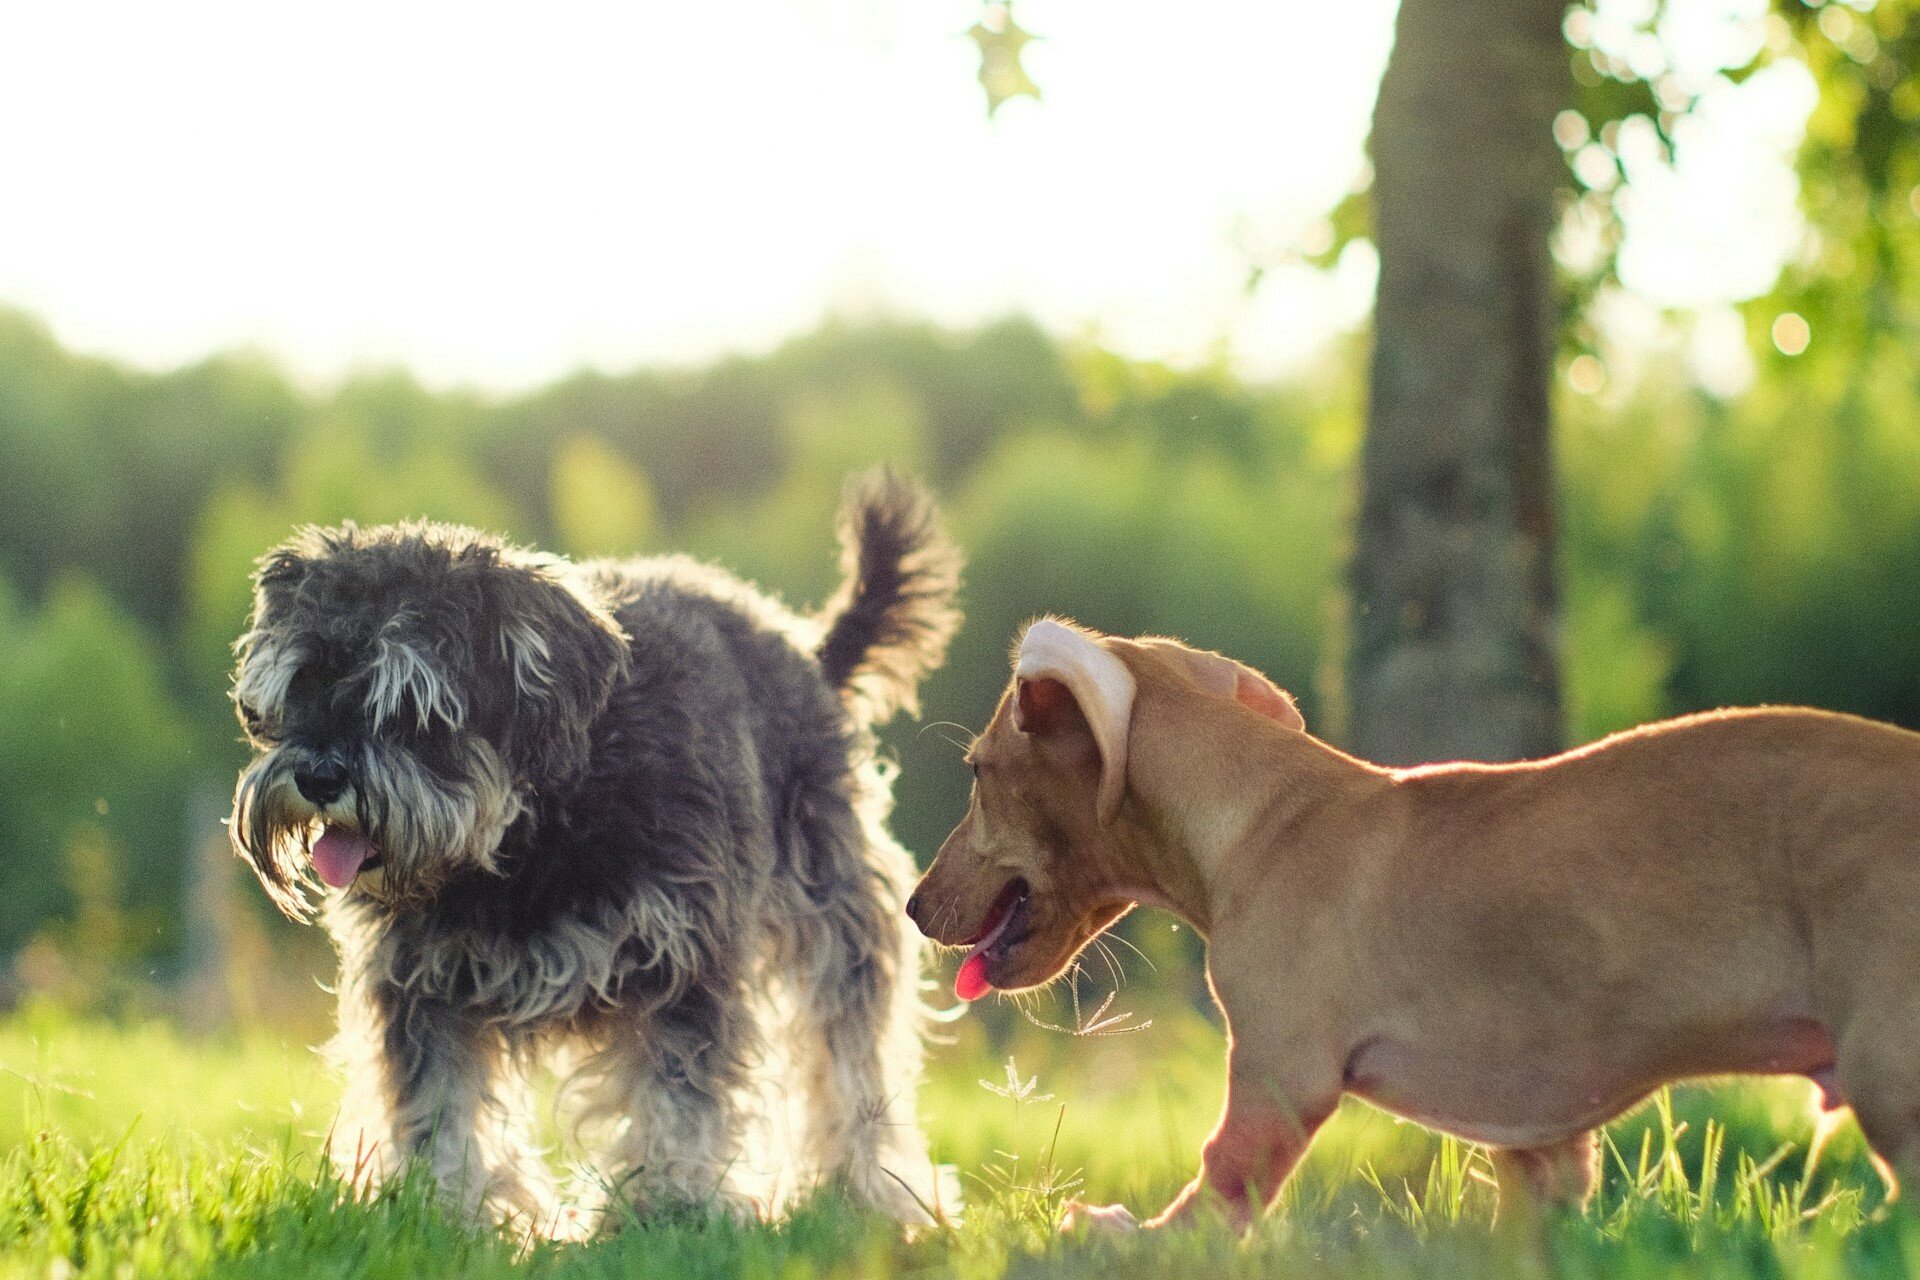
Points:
(626, 810)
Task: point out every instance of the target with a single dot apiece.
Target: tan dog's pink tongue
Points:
(338, 853)
(971, 982)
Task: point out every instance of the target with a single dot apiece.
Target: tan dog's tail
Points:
(889, 623)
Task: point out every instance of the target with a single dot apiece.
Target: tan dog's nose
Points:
(913, 911)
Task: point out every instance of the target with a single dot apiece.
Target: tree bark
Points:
(1455, 608)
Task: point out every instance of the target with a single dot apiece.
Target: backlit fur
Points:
(628, 821)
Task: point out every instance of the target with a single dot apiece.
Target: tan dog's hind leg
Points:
(1534, 1181)
(1879, 1076)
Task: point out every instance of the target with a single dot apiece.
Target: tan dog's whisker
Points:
(1128, 944)
(1107, 958)
(959, 744)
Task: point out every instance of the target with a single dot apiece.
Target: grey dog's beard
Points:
(423, 826)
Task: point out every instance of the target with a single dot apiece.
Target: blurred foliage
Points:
(1859, 162)
(109, 468)
(1001, 39)
(1716, 552)
(602, 506)
(94, 751)
(1632, 110)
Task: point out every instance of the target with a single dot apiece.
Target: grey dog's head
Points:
(405, 689)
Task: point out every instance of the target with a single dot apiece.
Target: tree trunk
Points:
(1453, 578)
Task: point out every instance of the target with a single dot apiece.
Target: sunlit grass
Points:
(138, 1151)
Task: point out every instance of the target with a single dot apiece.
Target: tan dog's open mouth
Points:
(991, 943)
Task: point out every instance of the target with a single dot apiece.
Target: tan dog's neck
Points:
(1211, 804)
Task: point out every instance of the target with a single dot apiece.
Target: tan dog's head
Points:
(1050, 853)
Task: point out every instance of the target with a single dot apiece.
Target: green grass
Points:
(133, 1150)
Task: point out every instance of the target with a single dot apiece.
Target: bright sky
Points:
(497, 194)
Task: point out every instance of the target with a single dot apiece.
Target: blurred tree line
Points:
(1765, 548)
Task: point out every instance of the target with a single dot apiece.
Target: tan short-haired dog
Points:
(1511, 953)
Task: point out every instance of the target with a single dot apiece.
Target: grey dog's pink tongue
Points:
(338, 853)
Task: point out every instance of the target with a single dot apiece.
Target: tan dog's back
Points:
(1655, 907)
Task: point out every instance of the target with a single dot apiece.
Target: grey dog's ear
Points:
(277, 575)
(559, 657)
(266, 655)
(287, 565)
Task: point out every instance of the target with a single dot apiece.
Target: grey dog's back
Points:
(885, 628)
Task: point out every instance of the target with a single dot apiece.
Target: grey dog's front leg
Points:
(664, 1092)
(432, 1083)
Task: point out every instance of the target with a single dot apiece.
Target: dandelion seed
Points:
(1014, 1088)
(1095, 1024)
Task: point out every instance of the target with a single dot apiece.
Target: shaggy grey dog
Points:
(625, 811)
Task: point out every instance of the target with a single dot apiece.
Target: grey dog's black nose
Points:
(321, 782)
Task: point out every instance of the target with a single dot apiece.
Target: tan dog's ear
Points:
(1238, 681)
(1074, 696)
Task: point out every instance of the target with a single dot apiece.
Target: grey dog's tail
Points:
(888, 624)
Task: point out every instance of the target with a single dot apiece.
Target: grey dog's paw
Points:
(1098, 1217)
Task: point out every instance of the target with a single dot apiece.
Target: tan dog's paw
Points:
(1098, 1217)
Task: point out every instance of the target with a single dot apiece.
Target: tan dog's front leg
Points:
(1259, 1139)
(1262, 1134)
